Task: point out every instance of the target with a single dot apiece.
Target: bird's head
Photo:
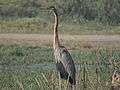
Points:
(52, 8)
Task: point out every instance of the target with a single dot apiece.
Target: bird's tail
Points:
(72, 80)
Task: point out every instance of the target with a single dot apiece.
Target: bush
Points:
(103, 11)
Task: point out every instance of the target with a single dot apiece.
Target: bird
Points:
(64, 61)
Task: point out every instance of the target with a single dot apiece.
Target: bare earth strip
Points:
(69, 40)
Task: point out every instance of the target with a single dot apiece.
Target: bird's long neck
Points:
(56, 39)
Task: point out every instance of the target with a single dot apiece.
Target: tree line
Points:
(103, 11)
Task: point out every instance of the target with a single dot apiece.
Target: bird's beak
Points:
(45, 8)
(48, 8)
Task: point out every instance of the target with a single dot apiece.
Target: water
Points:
(44, 66)
(25, 67)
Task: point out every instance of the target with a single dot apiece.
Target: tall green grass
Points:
(103, 11)
(44, 26)
(87, 77)
(18, 55)
(94, 68)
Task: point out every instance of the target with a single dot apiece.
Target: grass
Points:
(27, 79)
(18, 55)
(47, 79)
(15, 55)
(94, 69)
(44, 26)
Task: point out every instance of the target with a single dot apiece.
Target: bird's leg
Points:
(60, 82)
(69, 85)
(68, 81)
(65, 85)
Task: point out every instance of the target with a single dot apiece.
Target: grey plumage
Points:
(65, 64)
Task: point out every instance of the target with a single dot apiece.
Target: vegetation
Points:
(43, 26)
(47, 79)
(76, 16)
(103, 10)
(20, 68)
(19, 64)
(19, 55)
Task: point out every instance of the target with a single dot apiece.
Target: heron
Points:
(64, 61)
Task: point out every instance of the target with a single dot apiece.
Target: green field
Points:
(75, 17)
(43, 26)
(48, 79)
(94, 69)
(18, 55)
(24, 66)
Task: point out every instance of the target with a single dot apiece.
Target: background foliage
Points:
(103, 11)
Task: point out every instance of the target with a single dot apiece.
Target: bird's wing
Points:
(65, 64)
(67, 60)
(61, 70)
